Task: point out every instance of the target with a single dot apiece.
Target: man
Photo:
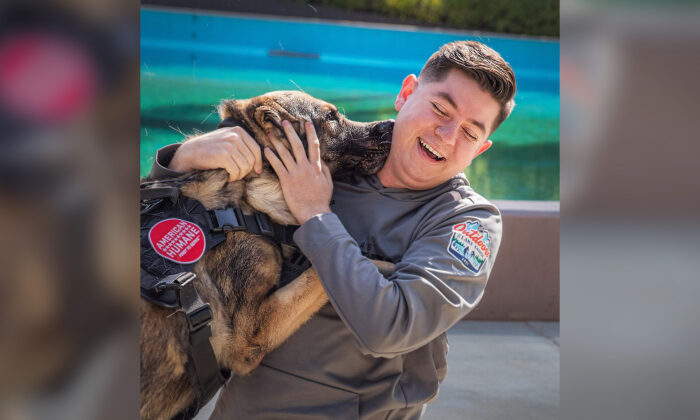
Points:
(378, 351)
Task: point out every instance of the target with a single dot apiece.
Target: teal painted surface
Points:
(190, 62)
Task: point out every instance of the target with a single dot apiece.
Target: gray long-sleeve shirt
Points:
(378, 349)
(431, 288)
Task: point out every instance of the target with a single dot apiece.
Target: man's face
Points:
(441, 126)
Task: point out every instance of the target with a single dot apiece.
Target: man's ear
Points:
(484, 147)
(410, 83)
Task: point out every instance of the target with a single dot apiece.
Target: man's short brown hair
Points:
(482, 64)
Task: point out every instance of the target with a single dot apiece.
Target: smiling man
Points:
(443, 123)
(378, 350)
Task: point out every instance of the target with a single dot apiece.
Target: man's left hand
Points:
(306, 181)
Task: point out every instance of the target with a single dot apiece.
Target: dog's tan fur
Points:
(238, 277)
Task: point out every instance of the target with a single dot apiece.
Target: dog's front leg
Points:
(283, 312)
(279, 316)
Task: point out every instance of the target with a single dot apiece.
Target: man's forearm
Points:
(388, 317)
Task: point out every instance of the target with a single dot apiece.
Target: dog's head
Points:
(347, 147)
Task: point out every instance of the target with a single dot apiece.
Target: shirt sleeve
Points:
(440, 279)
(164, 155)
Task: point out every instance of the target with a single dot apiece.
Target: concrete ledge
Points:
(524, 284)
(528, 208)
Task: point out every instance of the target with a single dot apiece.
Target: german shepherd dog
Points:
(239, 277)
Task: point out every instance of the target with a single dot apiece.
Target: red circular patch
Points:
(178, 240)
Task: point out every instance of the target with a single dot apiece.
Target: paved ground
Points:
(497, 370)
(500, 370)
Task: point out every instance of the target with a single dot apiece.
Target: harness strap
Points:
(285, 234)
(233, 219)
(207, 377)
(293, 268)
(153, 197)
(199, 318)
(160, 192)
(260, 224)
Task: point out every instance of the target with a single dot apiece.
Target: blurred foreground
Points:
(630, 200)
(68, 178)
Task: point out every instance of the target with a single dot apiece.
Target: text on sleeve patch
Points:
(470, 244)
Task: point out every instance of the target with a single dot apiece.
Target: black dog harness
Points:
(167, 280)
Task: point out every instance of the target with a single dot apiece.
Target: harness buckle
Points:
(229, 219)
(199, 317)
(175, 281)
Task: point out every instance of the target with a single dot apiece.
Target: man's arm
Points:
(430, 290)
(229, 148)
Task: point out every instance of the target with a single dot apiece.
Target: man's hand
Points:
(230, 148)
(306, 182)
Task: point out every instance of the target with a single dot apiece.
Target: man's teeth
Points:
(433, 151)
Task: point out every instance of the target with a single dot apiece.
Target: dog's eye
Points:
(331, 116)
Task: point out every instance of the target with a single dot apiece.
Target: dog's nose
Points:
(383, 129)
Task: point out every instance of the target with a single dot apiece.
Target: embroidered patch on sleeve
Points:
(470, 244)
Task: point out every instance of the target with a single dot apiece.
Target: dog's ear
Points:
(265, 115)
(270, 119)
